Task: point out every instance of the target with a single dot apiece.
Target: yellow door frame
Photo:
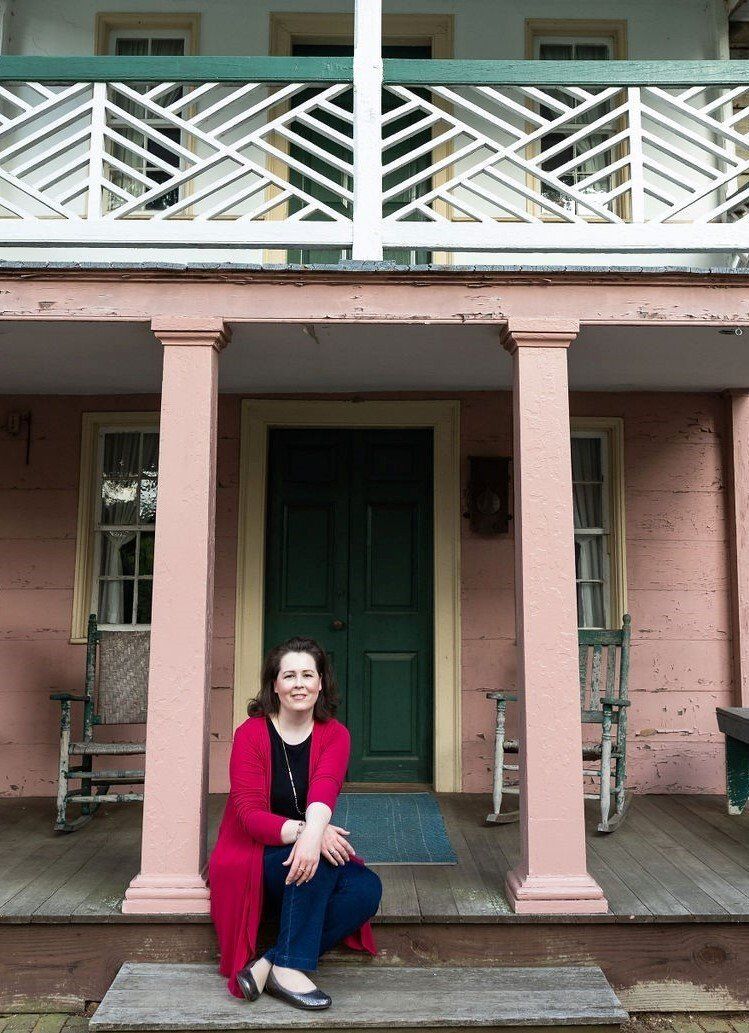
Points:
(443, 418)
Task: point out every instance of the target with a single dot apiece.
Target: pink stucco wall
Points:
(677, 571)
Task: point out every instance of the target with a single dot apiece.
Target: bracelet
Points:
(299, 829)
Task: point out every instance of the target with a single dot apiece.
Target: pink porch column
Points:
(552, 876)
(174, 813)
(737, 483)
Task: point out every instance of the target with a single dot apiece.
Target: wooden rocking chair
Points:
(117, 696)
(603, 654)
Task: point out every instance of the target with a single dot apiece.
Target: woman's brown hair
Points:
(266, 702)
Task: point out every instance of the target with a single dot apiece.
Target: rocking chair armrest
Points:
(502, 697)
(66, 697)
(610, 701)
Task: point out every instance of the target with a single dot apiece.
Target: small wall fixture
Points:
(732, 331)
(15, 422)
(488, 494)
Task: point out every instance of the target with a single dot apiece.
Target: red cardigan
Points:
(236, 865)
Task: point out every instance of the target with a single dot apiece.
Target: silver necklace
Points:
(291, 777)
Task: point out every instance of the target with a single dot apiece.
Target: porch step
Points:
(194, 997)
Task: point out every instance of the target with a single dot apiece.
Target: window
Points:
(142, 157)
(582, 164)
(598, 517)
(124, 526)
(116, 521)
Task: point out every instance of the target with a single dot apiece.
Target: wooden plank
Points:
(721, 855)
(705, 830)
(118, 863)
(491, 864)
(559, 73)
(622, 900)
(367, 237)
(656, 966)
(436, 899)
(174, 69)
(650, 890)
(193, 997)
(83, 883)
(38, 857)
(640, 846)
(732, 899)
(734, 721)
(469, 891)
(712, 810)
(472, 896)
(399, 899)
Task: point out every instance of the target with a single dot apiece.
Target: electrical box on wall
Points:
(488, 494)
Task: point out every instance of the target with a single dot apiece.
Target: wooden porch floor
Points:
(676, 858)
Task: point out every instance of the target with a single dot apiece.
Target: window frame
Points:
(610, 430)
(576, 30)
(156, 23)
(110, 27)
(85, 583)
(287, 28)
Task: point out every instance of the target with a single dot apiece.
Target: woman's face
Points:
(298, 684)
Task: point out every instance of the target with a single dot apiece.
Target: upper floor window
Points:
(599, 522)
(144, 145)
(583, 163)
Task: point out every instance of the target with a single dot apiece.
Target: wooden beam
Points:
(104, 68)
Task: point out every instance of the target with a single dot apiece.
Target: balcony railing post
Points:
(96, 152)
(636, 168)
(368, 131)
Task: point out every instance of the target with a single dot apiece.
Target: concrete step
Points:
(194, 997)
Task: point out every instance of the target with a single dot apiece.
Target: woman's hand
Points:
(304, 857)
(335, 847)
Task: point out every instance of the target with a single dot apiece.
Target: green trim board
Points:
(107, 68)
(560, 73)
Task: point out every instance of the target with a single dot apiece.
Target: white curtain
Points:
(587, 499)
(119, 491)
(588, 166)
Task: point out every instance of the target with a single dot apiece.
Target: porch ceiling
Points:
(124, 358)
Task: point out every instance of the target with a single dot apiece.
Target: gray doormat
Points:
(395, 828)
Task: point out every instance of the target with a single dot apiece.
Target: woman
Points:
(288, 762)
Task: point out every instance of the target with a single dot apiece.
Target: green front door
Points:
(349, 563)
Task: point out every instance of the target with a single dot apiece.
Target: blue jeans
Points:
(317, 915)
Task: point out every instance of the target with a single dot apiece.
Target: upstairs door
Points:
(331, 256)
(349, 563)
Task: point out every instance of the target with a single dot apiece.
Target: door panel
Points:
(306, 582)
(390, 602)
(350, 539)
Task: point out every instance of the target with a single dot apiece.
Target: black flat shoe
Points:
(247, 984)
(312, 1000)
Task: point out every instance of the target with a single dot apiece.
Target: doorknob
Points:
(338, 625)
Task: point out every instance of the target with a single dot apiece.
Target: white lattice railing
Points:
(503, 157)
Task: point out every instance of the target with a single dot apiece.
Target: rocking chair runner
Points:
(600, 704)
(120, 691)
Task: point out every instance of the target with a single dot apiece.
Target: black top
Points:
(281, 795)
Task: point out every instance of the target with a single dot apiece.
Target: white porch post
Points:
(174, 814)
(368, 131)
